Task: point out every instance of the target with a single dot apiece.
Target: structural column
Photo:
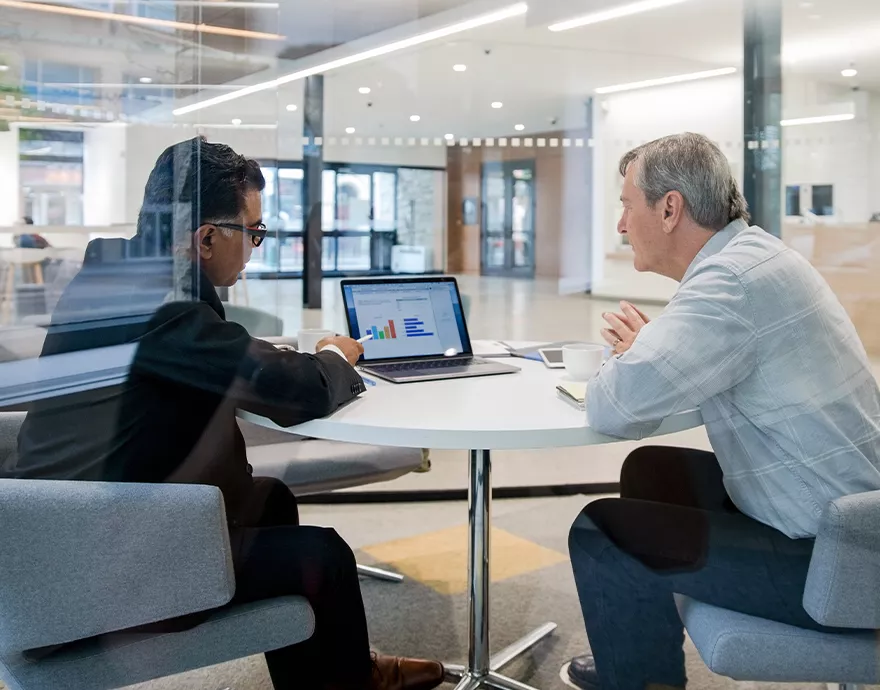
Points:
(762, 81)
(313, 163)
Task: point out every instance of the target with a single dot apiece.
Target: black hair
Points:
(210, 179)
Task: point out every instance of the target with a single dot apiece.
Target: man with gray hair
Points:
(754, 338)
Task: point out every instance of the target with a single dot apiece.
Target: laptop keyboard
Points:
(434, 364)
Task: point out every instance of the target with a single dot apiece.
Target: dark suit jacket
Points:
(174, 418)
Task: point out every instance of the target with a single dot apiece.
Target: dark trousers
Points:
(279, 557)
(675, 530)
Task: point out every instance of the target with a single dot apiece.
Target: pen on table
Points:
(367, 381)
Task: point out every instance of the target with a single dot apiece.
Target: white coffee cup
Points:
(308, 339)
(582, 360)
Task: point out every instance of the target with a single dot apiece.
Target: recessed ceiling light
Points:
(519, 128)
(460, 68)
(815, 17)
(4, 68)
(292, 107)
(497, 104)
(349, 130)
(449, 137)
(849, 72)
(145, 80)
(414, 118)
(236, 121)
(364, 90)
(805, 5)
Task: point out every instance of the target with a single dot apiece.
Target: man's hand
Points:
(624, 327)
(352, 349)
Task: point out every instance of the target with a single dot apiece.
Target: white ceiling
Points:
(540, 75)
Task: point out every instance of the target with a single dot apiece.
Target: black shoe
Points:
(582, 672)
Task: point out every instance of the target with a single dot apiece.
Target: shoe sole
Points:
(563, 676)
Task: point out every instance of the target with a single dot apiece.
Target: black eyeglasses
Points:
(257, 233)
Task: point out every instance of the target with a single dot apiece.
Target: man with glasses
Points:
(174, 419)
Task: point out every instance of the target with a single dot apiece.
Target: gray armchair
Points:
(842, 591)
(258, 323)
(80, 562)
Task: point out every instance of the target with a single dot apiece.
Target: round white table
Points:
(518, 411)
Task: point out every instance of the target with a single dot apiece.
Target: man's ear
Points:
(203, 241)
(673, 211)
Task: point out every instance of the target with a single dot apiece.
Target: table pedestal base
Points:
(482, 670)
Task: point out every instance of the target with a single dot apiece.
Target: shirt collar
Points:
(717, 242)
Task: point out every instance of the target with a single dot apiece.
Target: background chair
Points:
(82, 561)
(258, 323)
(842, 590)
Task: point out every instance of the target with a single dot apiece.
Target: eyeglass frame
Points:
(257, 233)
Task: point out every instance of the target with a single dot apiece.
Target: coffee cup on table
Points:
(582, 360)
(308, 339)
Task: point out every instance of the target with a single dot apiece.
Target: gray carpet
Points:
(413, 619)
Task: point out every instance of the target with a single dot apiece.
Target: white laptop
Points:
(418, 328)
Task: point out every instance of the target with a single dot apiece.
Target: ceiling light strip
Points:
(613, 13)
(818, 120)
(515, 10)
(155, 85)
(143, 21)
(666, 80)
(222, 4)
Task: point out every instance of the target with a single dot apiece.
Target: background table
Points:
(518, 411)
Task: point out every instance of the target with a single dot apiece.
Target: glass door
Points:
(508, 229)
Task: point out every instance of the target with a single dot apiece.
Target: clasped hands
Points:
(624, 326)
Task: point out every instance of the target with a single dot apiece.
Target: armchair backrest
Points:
(79, 559)
(843, 583)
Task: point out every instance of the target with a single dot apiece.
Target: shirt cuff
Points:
(333, 348)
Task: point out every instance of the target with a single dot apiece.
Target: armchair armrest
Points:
(79, 559)
(844, 575)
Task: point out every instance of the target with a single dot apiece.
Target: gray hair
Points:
(693, 166)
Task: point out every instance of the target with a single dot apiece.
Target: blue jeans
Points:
(674, 530)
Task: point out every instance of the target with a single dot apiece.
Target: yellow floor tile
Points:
(439, 559)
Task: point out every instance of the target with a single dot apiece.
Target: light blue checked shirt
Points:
(756, 339)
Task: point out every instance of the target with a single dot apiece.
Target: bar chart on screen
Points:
(386, 332)
(403, 324)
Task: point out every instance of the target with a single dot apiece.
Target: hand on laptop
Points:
(351, 349)
(624, 327)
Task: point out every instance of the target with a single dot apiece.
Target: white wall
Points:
(843, 154)
(712, 107)
(9, 193)
(104, 175)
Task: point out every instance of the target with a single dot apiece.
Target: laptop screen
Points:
(407, 318)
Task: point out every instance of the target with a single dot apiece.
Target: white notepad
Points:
(574, 393)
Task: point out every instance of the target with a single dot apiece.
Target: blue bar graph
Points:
(415, 328)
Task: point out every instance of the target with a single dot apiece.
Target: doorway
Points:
(508, 227)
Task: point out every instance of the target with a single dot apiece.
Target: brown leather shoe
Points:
(397, 673)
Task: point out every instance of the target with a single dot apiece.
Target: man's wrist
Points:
(333, 348)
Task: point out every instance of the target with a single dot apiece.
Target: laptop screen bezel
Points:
(467, 348)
